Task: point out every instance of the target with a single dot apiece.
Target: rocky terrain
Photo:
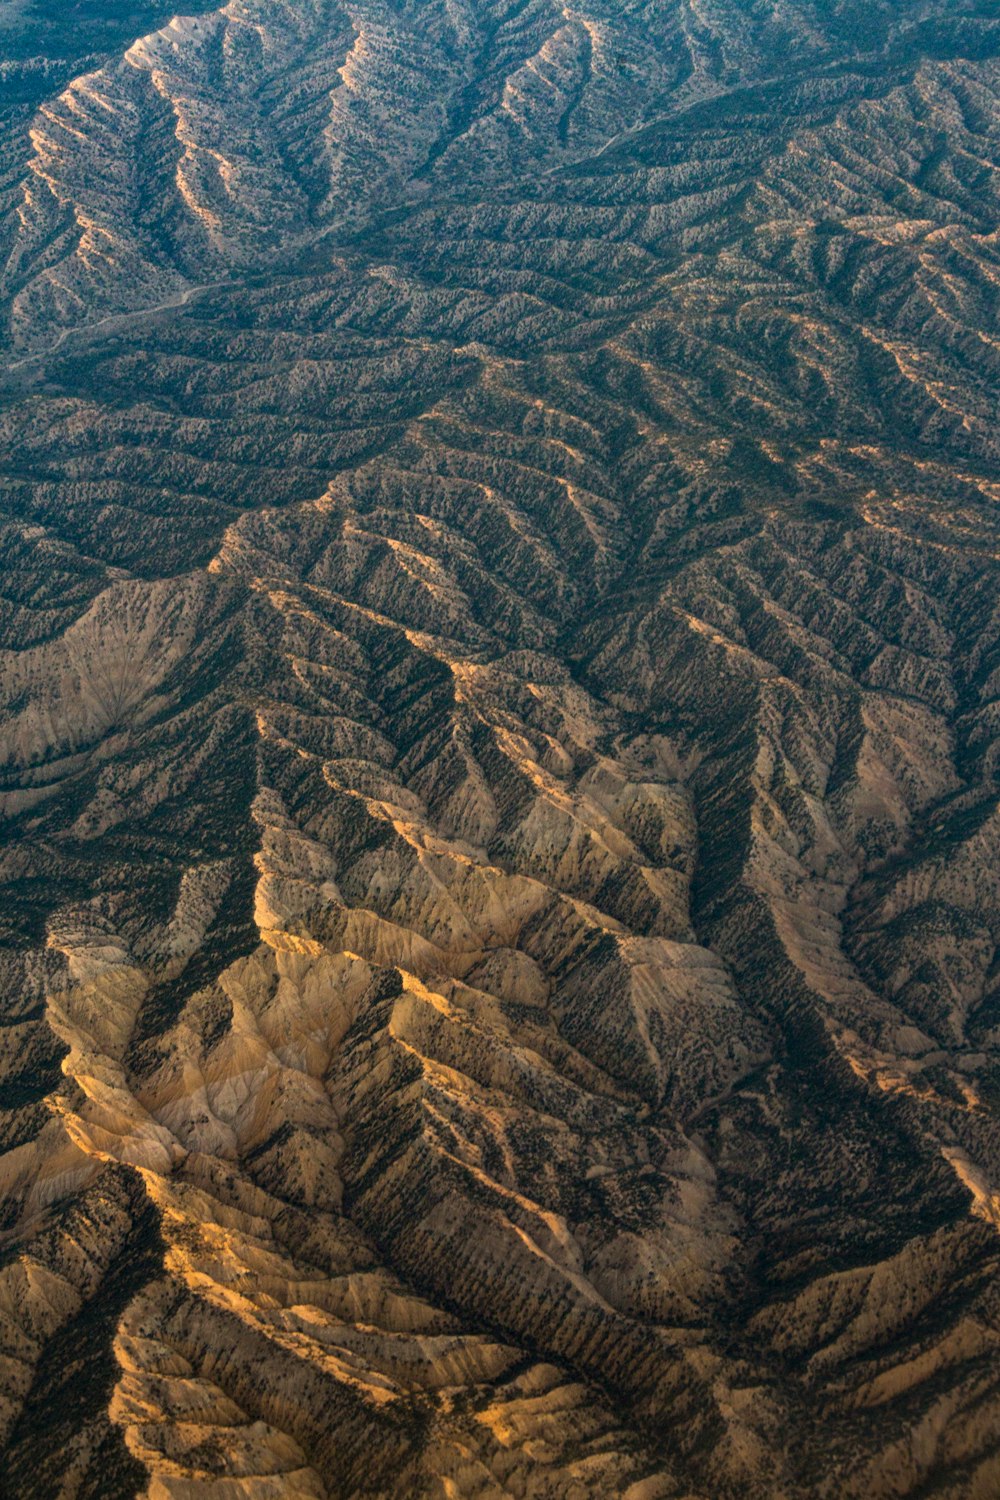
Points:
(499, 750)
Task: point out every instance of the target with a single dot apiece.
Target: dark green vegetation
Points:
(499, 827)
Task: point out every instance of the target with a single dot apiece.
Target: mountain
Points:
(499, 730)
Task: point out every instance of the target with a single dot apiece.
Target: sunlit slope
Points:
(499, 650)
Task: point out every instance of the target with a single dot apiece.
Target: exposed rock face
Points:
(499, 829)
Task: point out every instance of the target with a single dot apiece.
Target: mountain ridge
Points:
(497, 776)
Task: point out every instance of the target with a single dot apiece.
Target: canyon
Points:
(499, 733)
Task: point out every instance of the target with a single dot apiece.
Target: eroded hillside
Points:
(499, 826)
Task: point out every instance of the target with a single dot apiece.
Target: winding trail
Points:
(116, 320)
